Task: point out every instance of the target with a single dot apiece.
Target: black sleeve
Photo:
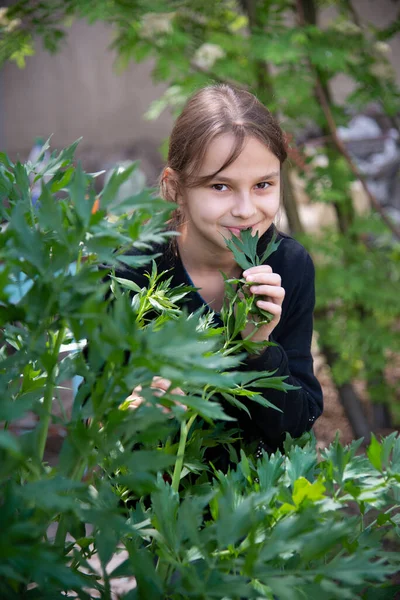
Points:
(291, 357)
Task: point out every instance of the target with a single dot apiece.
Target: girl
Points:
(223, 173)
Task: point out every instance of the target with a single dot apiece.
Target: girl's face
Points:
(245, 194)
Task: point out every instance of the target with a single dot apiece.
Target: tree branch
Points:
(356, 19)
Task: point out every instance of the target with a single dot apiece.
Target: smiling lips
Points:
(236, 230)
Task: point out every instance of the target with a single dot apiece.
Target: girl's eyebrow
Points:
(262, 178)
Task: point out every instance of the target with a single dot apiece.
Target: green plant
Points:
(125, 480)
(265, 46)
(357, 286)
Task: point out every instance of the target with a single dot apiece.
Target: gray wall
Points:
(78, 92)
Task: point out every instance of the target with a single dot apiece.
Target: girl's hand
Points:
(161, 385)
(266, 285)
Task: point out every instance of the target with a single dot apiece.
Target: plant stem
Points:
(79, 260)
(386, 512)
(43, 426)
(61, 533)
(31, 210)
(185, 427)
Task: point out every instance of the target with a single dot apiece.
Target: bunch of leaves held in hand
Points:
(240, 307)
(244, 250)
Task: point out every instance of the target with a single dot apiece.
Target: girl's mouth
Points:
(237, 230)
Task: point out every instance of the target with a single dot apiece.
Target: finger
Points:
(160, 383)
(274, 309)
(134, 402)
(178, 391)
(265, 278)
(135, 394)
(258, 269)
(164, 384)
(158, 392)
(160, 386)
(272, 291)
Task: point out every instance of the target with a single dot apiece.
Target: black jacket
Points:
(292, 354)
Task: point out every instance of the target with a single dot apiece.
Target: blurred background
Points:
(116, 73)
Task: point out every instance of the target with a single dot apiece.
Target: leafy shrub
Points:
(357, 286)
(292, 527)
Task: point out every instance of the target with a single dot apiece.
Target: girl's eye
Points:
(263, 185)
(219, 187)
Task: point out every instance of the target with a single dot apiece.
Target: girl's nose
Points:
(243, 207)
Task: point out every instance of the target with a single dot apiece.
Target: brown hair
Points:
(212, 111)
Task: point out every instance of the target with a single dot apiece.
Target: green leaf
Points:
(78, 191)
(127, 283)
(28, 243)
(271, 248)
(286, 588)
(244, 465)
(137, 260)
(374, 453)
(149, 584)
(50, 215)
(42, 152)
(6, 161)
(6, 184)
(60, 180)
(165, 506)
(235, 402)
(304, 490)
(58, 161)
(22, 182)
(302, 463)
(207, 409)
(356, 569)
(388, 444)
(54, 494)
(239, 256)
(118, 177)
(269, 470)
(144, 460)
(10, 443)
(244, 249)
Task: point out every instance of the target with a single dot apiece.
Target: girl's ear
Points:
(170, 185)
